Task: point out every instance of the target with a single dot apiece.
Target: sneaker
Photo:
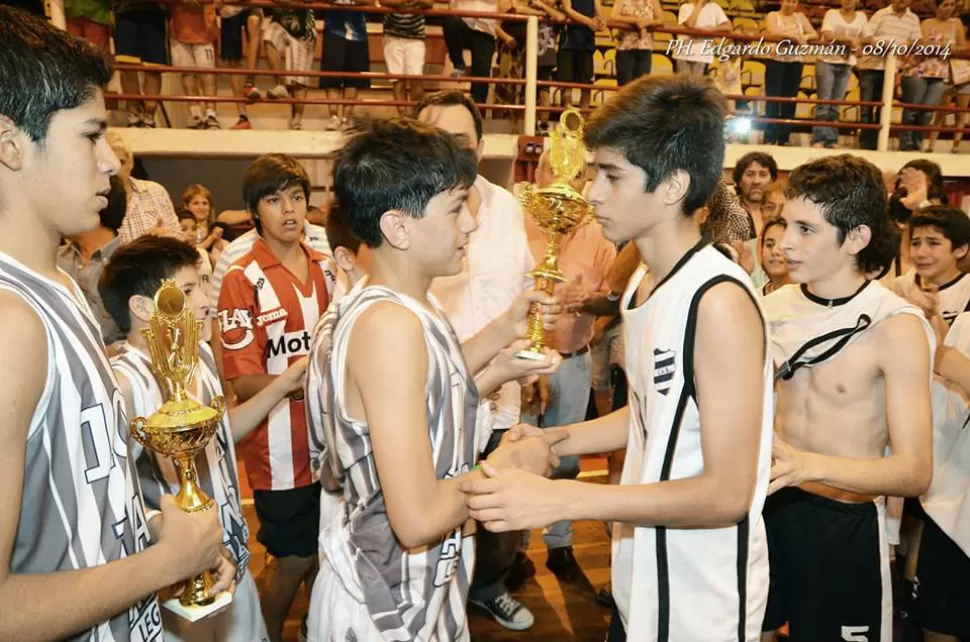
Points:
(196, 123)
(250, 92)
(242, 123)
(279, 91)
(458, 73)
(212, 122)
(562, 563)
(134, 120)
(508, 611)
(333, 124)
(296, 124)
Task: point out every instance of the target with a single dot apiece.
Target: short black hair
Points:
(776, 221)
(952, 223)
(184, 215)
(663, 124)
(138, 268)
(396, 164)
(44, 70)
(451, 99)
(269, 174)
(764, 159)
(114, 214)
(850, 192)
(338, 229)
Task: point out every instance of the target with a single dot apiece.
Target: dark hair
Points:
(952, 223)
(762, 158)
(184, 215)
(850, 192)
(452, 99)
(44, 70)
(138, 268)
(777, 221)
(269, 174)
(396, 164)
(114, 214)
(934, 178)
(338, 229)
(666, 124)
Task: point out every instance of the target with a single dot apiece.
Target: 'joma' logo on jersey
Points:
(290, 344)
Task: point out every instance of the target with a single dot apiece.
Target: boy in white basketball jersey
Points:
(853, 414)
(939, 240)
(690, 561)
(399, 398)
(128, 285)
(73, 537)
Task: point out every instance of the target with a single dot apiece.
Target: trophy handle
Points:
(137, 429)
(219, 405)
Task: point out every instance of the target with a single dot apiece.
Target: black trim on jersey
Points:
(831, 303)
(788, 369)
(919, 282)
(690, 392)
(688, 255)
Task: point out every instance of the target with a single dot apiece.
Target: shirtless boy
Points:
(852, 385)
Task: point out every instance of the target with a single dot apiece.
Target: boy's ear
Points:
(141, 308)
(344, 258)
(961, 252)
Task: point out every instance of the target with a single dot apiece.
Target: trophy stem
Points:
(191, 498)
(197, 591)
(537, 333)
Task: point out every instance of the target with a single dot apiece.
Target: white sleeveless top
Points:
(954, 296)
(417, 594)
(684, 583)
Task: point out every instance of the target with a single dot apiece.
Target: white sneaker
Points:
(508, 611)
(279, 91)
(333, 124)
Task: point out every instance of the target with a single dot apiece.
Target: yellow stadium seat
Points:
(661, 65)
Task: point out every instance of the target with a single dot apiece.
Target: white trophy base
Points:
(533, 356)
(196, 613)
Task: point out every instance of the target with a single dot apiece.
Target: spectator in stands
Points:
(197, 200)
(239, 41)
(927, 84)
(773, 201)
(83, 257)
(290, 39)
(140, 29)
(150, 209)
(91, 20)
(344, 49)
(193, 35)
(772, 256)
(752, 174)
(847, 27)
(577, 46)
(893, 25)
(476, 34)
(404, 48)
(783, 73)
(188, 225)
(548, 42)
(687, 52)
(634, 47)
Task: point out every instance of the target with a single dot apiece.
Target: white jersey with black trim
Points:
(81, 504)
(419, 594)
(954, 295)
(216, 465)
(685, 584)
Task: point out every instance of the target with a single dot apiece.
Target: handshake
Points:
(516, 473)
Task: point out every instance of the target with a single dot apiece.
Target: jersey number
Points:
(93, 423)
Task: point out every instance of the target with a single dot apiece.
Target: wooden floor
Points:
(563, 611)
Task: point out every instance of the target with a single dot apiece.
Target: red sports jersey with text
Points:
(266, 315)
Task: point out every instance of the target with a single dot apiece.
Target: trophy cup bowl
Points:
(181, 428)
(558, 210)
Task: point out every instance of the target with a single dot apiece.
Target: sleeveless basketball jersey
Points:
(954, 296)
(417, 594)
(675, 584)
(81, 504)
(216, 465)
(947, 500)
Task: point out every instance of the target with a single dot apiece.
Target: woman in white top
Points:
(844, 26)
(783, 72)
(688, 52)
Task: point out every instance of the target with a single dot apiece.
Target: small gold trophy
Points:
(181, 427)
(558, 210)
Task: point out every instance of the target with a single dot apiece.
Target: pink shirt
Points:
(586, 254)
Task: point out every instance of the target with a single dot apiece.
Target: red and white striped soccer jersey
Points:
(266, 316)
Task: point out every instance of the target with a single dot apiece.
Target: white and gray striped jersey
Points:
(673, 584)
(216, 465)
(81, 505)
(416, 594)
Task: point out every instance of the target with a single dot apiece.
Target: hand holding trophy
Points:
(181, 427)
(558, 210)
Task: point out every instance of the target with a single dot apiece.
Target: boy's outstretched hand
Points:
(512, 499)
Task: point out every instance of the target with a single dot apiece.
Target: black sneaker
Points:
(508, 611)
(563, 564)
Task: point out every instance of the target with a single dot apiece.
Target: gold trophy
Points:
(558, 210)
(181, 427)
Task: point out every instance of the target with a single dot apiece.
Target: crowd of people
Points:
(818, 57)
(794, 356)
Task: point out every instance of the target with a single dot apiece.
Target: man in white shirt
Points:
(494, 274)
(688, 52)
(150, 209)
